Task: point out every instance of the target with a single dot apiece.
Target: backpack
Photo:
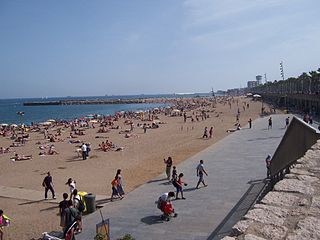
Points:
(81, 206)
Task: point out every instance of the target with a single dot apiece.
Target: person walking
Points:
(168, 163)
(211, 132)
(71, 217)
(115, 192)
(179, 186)
(119, 186)
(205, 133)
(62, 206)
(200, 172)
(48, 185)
(84, 151)
(270, 123)
(72, 186)
(268, 165)
(250, 123)
(88, 149)
(79, 205)
(287, 122)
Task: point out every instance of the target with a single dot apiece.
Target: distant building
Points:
(259, 79)
(221, 92)
(252, 84)
(236, 91)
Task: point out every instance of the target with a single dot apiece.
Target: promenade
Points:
(231, 164)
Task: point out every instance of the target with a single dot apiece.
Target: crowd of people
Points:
(75, 130)
(164, 202)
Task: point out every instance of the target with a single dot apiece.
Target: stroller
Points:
(59, 235)
(167, 209)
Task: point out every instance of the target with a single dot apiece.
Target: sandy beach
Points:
(140, 160)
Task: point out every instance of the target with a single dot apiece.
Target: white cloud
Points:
(201, 12)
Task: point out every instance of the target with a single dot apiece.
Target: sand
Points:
(140, 161)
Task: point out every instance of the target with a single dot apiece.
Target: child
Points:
(178, 185)
(174, 176)
(4, 221)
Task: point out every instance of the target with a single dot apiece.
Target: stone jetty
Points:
(84, 102)
(291, 210)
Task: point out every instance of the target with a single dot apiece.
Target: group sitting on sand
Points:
(109, 146)
(51, 151)
(4, 150)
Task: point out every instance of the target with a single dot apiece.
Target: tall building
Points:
(259, 79)
(252, 84)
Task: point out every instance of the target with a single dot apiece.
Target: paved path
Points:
(230, 163)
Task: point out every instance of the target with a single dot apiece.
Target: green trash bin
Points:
(90, 200)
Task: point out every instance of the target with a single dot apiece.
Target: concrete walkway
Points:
(231, 164)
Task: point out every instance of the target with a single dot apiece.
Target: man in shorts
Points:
(200, 172)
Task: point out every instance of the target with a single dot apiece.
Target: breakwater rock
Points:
(291, 211)
(83, 102)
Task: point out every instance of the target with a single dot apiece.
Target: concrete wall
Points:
(298, 138)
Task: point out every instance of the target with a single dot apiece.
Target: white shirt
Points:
(72, 186)
(200, 167)
(164, 197)
(84, 148)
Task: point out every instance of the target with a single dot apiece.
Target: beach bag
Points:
(82, 194)
(81, 206)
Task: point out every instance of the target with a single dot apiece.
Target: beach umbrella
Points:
(51, 120)
(14, 125)
(46, 123)
(257, 96)
(249, 94)
(176, 111)
(4, 124)
(90, 116)
(93, 121)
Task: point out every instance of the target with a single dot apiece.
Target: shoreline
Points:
(140, 161)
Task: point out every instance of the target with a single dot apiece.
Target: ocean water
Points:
(10, 107)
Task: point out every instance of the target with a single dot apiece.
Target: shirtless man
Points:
(17, 157)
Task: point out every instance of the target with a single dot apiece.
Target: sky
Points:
(92, 48)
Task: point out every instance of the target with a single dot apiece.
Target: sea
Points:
(36, 114)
